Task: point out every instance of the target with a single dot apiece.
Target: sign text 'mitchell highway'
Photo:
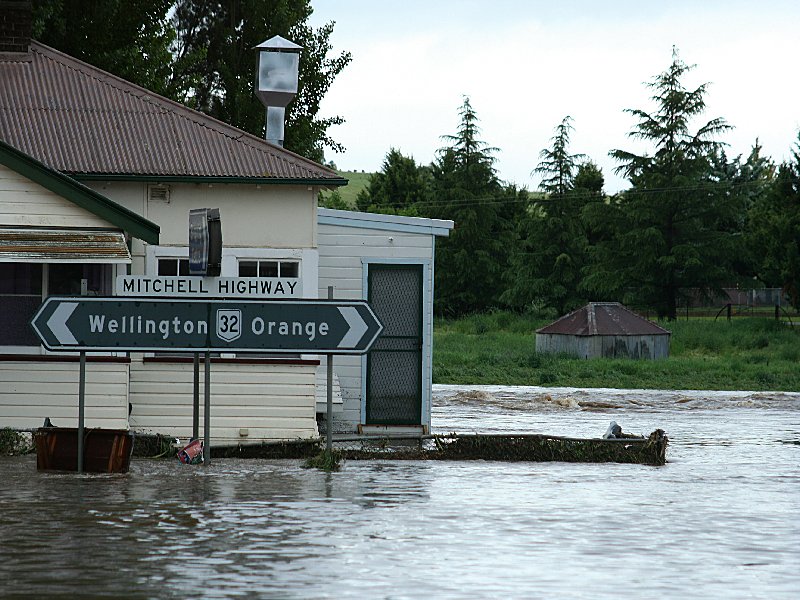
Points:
(216, 287)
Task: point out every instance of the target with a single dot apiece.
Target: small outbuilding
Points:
(604, 329)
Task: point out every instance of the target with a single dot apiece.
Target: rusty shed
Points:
(604, 329)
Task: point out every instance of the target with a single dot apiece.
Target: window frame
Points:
(307, 260)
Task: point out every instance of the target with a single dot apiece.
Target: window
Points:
(20, 296)
(269, 268)
(173, 266)
(66, 279)
(23, 287)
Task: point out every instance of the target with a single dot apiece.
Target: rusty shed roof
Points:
(80, 120)
(603, 318)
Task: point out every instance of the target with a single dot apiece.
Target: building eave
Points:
(395, 223)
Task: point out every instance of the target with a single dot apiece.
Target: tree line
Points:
(693, 221)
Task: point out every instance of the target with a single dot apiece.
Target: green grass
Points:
(500, 348)
(357, 181)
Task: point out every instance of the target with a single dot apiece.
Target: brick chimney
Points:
(16, 19)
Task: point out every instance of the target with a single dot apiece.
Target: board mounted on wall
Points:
(205, 242)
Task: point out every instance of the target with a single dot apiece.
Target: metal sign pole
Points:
(81, 408)
(196, 403)
(207, 414)
(329, 422)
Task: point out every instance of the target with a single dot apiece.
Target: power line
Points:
(587, 196)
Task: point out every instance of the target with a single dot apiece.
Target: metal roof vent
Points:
(159, 193)
(276, 82)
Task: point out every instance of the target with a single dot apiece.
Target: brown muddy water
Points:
(720, 520)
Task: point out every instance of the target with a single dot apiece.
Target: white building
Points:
(97, 177)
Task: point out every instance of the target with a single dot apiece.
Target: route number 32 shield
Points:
(229, 324)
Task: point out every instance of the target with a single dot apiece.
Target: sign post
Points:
(81, 409)
(188, 325)
(196, 398)
(207, 414)
(329, 406)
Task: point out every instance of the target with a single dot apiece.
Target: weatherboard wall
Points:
(31, 391)
(250, 403)
(344, 253)
(24, 203)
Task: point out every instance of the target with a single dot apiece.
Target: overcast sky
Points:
(527, 64)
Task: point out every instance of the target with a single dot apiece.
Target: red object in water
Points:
(192, 453)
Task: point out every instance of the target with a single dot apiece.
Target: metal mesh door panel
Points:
(394, 365)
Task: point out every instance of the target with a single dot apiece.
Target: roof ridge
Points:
(181, 110)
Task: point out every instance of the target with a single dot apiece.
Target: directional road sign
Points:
(183, 325)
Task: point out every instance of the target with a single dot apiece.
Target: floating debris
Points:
(192, 453)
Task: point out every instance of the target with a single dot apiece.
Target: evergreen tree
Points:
(671, 229)
(546, 266)
(774, 233)
(742, 185)
(471, 261)
(399, 186)
(557, 166)
(129, 38)
(200, 53)
(226, 32)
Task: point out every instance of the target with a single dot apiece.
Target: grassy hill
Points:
(358, 180)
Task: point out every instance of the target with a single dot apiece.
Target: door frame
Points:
(426, 356)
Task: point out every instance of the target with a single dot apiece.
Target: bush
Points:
(13, 443)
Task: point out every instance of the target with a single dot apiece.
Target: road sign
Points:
(183, 325)
(229, 288)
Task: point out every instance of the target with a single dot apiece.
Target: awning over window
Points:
(63, 245)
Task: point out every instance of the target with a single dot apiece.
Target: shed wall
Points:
(342, 252)
(608, 346)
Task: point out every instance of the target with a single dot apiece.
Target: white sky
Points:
(527, 64)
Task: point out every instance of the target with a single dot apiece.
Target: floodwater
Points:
(720, 520)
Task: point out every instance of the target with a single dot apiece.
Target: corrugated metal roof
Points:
(603, 318)
(78, 119)
(63, 245)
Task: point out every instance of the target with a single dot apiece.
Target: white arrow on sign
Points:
(58, 323)
(358, 327)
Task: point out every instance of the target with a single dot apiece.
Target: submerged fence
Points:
(732, 303)
(650, 450)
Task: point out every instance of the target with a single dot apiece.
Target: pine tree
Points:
(774, 230)
(471, 261)
(547, 264)
(397, 188)
(557, 165)
(670, 230)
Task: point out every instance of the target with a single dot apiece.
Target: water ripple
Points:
(719, 520)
